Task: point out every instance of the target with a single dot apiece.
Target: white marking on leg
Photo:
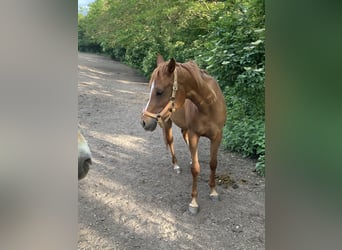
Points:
(213, 193)
(193, 207)
(176, 168)
(214, 196)
(193, 203)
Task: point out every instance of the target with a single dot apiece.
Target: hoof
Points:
(193, 210)
(177, 169)
(214, 197)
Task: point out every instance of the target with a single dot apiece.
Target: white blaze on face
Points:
(152, 87)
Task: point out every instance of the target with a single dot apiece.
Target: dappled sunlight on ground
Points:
(125, 91)
(95, 92)
(133, 215)
(89, 83)
(93, 70)
(126, 141)
(132, 82)
(94, 236)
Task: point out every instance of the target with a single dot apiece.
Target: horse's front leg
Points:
(195, 170)
(169, 141)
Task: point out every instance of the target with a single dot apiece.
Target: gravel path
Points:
(131, 198)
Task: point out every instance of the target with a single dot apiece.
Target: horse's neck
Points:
(195, 93)
(196, 98)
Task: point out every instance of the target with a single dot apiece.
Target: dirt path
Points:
(131, 198)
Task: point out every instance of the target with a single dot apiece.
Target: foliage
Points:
(85, 43)
(225, 37)
(234, 52)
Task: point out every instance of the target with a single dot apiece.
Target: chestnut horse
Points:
(186, 95)
(84, 156)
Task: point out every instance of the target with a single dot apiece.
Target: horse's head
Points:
(165, 94)
(84, 156)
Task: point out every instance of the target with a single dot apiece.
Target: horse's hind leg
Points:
(214, 146)
(169, 142)
(186, 139)
(185, 136)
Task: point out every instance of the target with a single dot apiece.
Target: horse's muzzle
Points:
(83, 166)
(148, 123)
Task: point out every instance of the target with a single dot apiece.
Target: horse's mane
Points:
(201, 78)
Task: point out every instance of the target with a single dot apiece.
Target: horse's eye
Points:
(159, 92)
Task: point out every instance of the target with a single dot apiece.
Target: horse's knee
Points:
(195, 169)
(169, 139)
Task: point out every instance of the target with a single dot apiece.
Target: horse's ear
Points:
(171, 66)
(160, 59)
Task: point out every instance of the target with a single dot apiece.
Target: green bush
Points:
(234, 52)
(85, 43)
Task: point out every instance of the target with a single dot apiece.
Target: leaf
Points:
(257, 42)
(259, 30)
(208, 59)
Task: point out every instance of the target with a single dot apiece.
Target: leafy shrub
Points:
(85, 43)
(234, 52)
